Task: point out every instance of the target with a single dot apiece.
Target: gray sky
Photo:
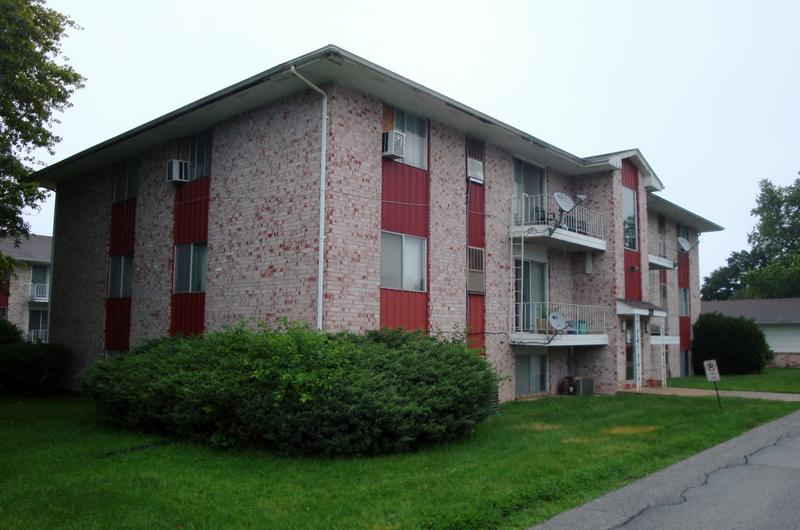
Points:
(707, 90)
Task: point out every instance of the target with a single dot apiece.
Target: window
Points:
(662, 224)
(683, 302)
(39, 274)
(627, 326)
(402, 262)
(530, 374)
(3, 313)
(630, 239)
(416, 131)
(126, 177)
(37, 320)
(529, 189)
(120, 277)
(200, 156)
(475, 149)
(530, 309)
(190, 268)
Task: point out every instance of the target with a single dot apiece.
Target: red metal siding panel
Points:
(123, 228)
(405, 193)
(404, 309)
(476, 219)
(191, 212)
(683, 270)
(118, 324)
(475, 321)
(188, 314)
(633, 275)
(685, 328)
(630, 175)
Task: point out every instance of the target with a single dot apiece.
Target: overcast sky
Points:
(707, 90)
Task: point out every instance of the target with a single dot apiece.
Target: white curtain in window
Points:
(199, 267)
(391, 260)
(416, 130)
(413, 264)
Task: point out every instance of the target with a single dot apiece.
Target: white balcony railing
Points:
(662, 247)
(37, 335)
(39, 291)
(543, 210)
(532, 317)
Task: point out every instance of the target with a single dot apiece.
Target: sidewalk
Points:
(774, 396)
(751, 481)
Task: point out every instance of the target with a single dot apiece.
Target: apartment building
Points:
(25, 293)
(333, 191)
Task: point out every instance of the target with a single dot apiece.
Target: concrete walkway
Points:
(674, 391)
(751, 481)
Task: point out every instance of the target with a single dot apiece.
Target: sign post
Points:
(712, 375)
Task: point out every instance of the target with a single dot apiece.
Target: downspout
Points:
(52, 266)
(322, 178)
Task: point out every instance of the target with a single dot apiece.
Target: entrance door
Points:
(529, 185)
(627, 326)
(529, 282)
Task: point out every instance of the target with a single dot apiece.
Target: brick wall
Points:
(264, 214)
(448, 230)
(80, 260)
(352, 250)
(18, 295)
(152, 254)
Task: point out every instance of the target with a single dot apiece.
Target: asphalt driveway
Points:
(749, 482)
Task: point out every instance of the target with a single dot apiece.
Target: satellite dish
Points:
(684, 244)
(563, 201)
(581, 197)
(557, 321)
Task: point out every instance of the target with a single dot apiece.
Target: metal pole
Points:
(718, 400)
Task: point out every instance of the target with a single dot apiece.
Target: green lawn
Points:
(771, 380)
(526, 464)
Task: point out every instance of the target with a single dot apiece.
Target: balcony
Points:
(536, 217)
(662, 332)
(37, 335)
(586, 324)
(38, 292)
(662, 254)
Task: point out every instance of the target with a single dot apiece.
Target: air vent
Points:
(476, 282)
(178, 171)
(394, 144)
(475, 170)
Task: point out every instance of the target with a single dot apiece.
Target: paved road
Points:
(749, 482)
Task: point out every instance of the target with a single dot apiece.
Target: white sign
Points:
(712, 372)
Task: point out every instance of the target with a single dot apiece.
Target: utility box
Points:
(576, 386)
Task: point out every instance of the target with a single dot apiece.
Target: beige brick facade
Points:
(263, 229)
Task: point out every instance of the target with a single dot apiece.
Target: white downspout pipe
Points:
(322, 178)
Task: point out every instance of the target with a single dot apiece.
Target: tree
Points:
(33, 87)
(771, 268)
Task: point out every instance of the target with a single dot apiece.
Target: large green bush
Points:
(9, 333)
(736, 343)
(299, 391)
(27, 367)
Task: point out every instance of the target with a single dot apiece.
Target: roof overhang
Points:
(326, 65)
(636, 307)
(651, 180)
(682, 215)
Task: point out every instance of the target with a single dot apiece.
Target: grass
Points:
(771, 380)
(62, 468)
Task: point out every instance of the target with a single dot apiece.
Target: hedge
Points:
(27, 367)
(299, 391)
(737, 344)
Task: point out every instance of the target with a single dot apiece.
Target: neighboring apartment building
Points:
(436, 217)
(25, 294)
(778, 318)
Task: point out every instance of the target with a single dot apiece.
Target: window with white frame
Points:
(200, 155)
(630, 235)
(120, 276)
(683, 302)
(402, 262)
(416, 131)
(190, 268)
(126, 176)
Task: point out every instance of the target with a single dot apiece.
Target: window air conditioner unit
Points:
(475, 170)
(178, 171)
(394, 144)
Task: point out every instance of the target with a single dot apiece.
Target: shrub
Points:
(736, 343)
(31, 367)
(9, 333)
(299, 391)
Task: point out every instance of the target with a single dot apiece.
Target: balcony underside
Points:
(659, 263)
(658, 340)
(566, 339)
(560, 238)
